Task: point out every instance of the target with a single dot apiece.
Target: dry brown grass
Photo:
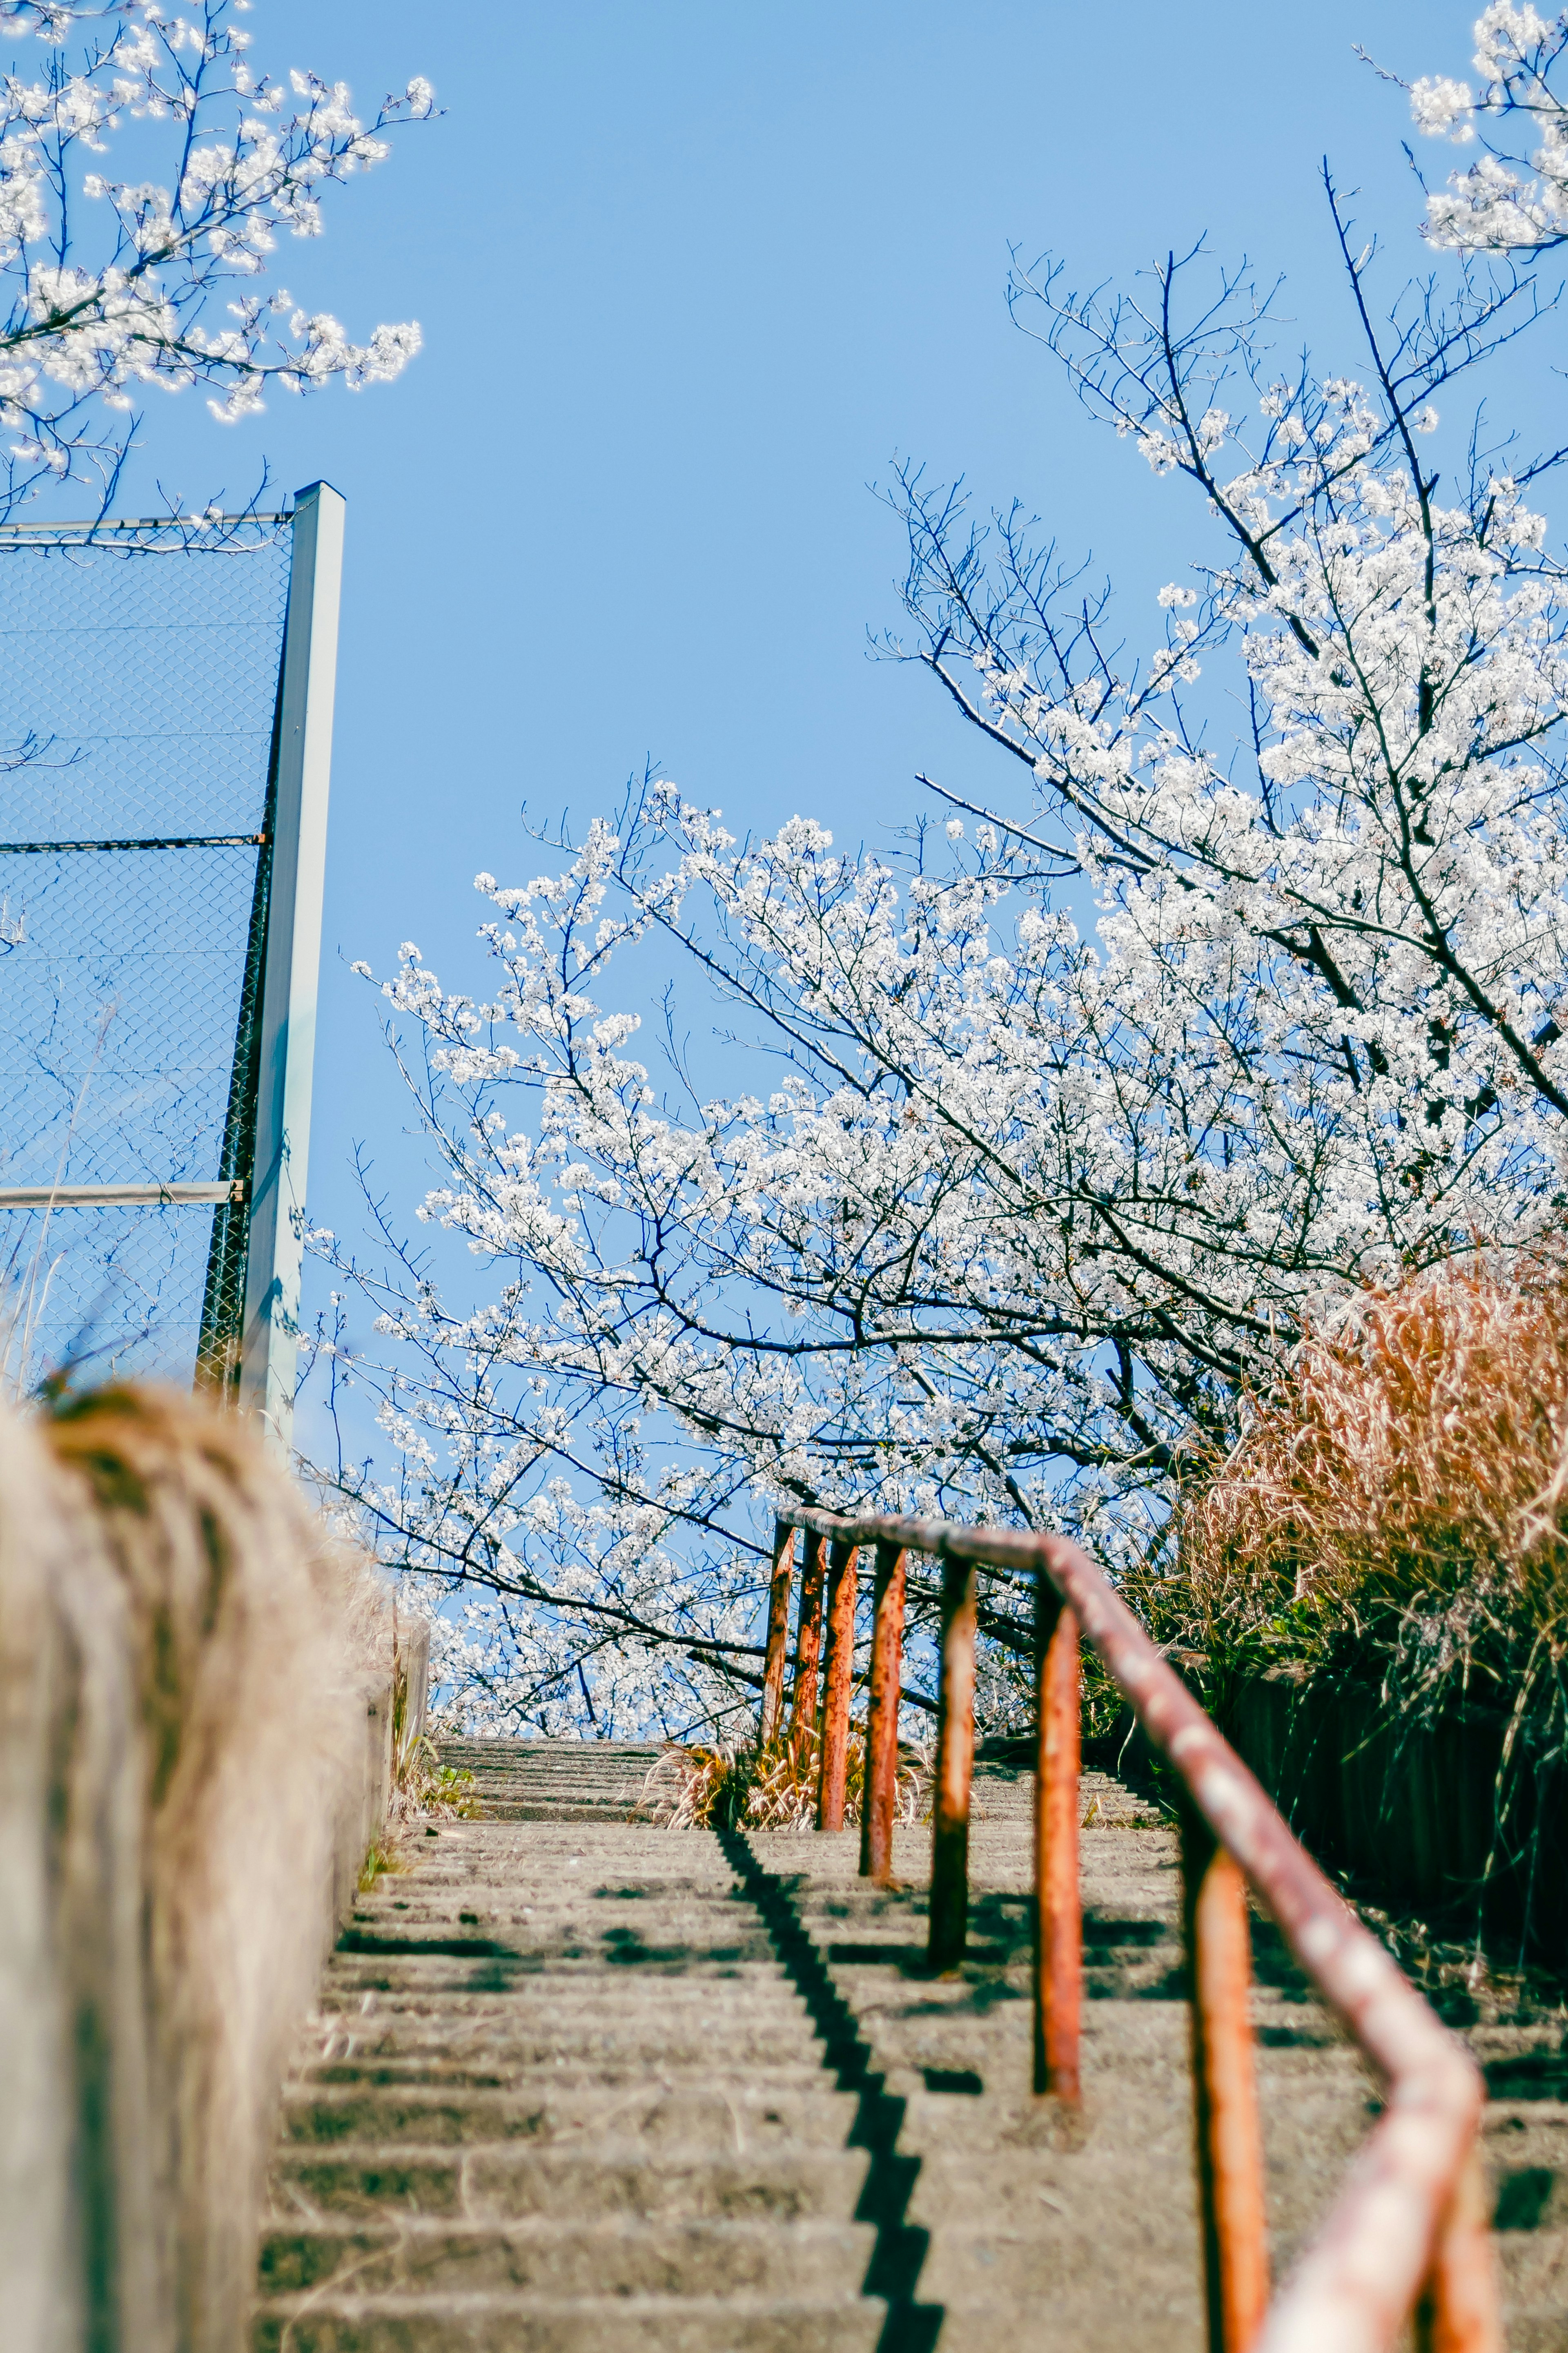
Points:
(1398, 1505)
(187, 1665)
(774, 1788)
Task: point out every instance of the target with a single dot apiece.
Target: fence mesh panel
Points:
(138, 683)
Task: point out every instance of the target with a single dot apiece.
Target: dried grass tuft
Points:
(187, 1669)
(773, 1789)
(692, 1788)
(1398, 1505)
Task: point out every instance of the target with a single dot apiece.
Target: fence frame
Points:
(275, 1229)
(258, 1197)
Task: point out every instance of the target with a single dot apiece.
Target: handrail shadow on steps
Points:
(1408, 2238)
(901, 2246)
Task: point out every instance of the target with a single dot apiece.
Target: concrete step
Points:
(502, 1807)
(504, 2323)
(583, 1899)
(704, 2109)
(734, 2257)
(679, 1922)
(465, 2070)
(629, 1773)
(594, 1759)
(532, 2001)
(568, 1784)
(620, 1942)
(487, 2040)
(593, 2181)
(399, 1969)
(485, 1767)
(558, 1784)
(565, 1784)
(592, 1921)
(564, 1867)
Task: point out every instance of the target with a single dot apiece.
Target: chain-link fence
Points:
(138, 687)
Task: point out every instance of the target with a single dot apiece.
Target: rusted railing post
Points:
(1459, 2312)
(1058, 1919)
(1225, 2091)
(882, 1714)
(778, 1633)
(808, 1642)
(954, 1768)
(838, 1682)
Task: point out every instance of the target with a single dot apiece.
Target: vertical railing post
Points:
(808, 1642)
(778, 1633)
(882, 1714)
(1224, 2092)
(1059, 1920)
(838, 1682)
(954, 1768)
(1459, 2312)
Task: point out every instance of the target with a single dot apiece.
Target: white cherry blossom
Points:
(117, 285)
(1514, 198)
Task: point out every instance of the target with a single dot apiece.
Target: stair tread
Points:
(531, 2322)
(492, 2300)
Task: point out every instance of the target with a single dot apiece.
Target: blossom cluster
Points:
(1505, 201)
(119, 283)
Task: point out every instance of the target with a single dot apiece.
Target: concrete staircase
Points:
(554, 1780)
(564, 2095)
(579, 2084)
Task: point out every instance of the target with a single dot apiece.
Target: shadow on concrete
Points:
(893, 2273)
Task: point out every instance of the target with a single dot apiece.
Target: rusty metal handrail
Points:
(1409, 2233)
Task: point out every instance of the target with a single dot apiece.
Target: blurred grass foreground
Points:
(196, 1751)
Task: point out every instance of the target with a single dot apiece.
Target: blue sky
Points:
(688, 275)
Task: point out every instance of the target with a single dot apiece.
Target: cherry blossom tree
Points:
(1070, 1119)
(162, 276)
(1506, 202)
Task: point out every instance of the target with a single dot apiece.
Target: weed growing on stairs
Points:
(770, 1788)
(382, 1860)
(423, 1787)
